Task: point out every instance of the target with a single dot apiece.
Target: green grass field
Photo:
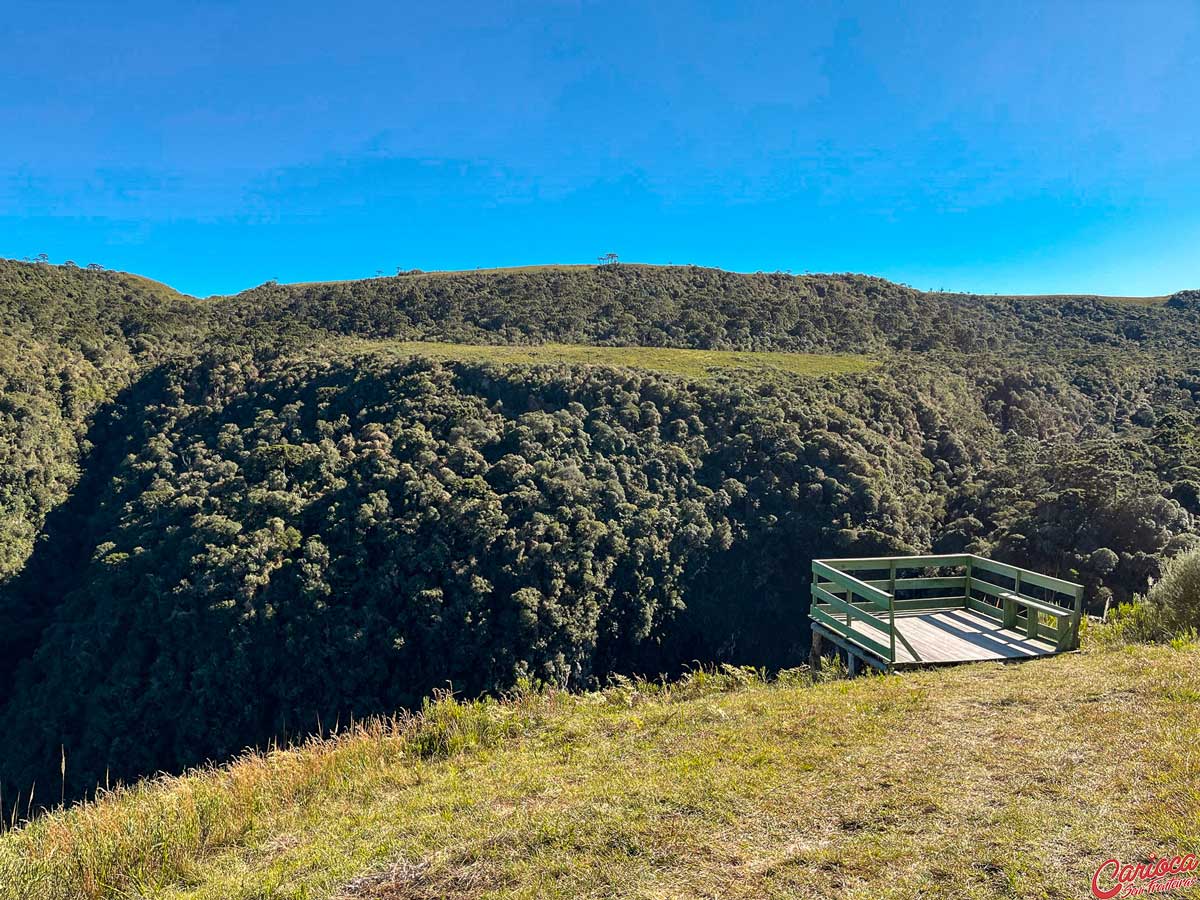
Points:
(979, 781)
(696, 364)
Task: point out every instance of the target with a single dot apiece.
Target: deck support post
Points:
(814, 653)
(852, 663)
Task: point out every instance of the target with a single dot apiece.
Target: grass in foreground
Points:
(695, 364)
(979, 781)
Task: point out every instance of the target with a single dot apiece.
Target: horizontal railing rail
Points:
(1059, 585)
(903, 562)
(849, 582)
(1063, 630)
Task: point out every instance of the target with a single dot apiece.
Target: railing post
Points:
(1031, 614)
(892, 608)
(967, 586)
(1008, 618)
(892, 624)
(1075, 619)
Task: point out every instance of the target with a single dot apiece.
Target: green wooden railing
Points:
(863, 610)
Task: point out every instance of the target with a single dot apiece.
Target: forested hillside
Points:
(233, 520)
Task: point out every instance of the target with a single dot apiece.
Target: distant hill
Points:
(646, 267)
(624, 304)
(687, 306)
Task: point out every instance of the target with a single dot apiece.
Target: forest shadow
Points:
(28, 602)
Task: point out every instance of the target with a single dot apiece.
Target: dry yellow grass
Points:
(975, 782)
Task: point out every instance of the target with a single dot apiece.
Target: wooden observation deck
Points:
(898, 612)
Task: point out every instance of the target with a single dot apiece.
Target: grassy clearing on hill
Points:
(979, 781)
(150, 286)
(690, 363)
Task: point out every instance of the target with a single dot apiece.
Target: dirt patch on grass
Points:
(424, 880)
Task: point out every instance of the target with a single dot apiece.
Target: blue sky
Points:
(994, 147)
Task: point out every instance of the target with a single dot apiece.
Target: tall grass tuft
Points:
(135, 840)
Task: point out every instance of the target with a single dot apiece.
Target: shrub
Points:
(1170, 610)
(1131, 623)
(1174, 600)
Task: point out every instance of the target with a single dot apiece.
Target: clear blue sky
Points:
(986, 146)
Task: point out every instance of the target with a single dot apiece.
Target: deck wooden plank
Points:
(964, 636)
(959, 635)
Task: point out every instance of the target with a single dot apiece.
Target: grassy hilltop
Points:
(982, 781)
(692, 364)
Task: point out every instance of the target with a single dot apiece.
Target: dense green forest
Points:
(232, 520)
